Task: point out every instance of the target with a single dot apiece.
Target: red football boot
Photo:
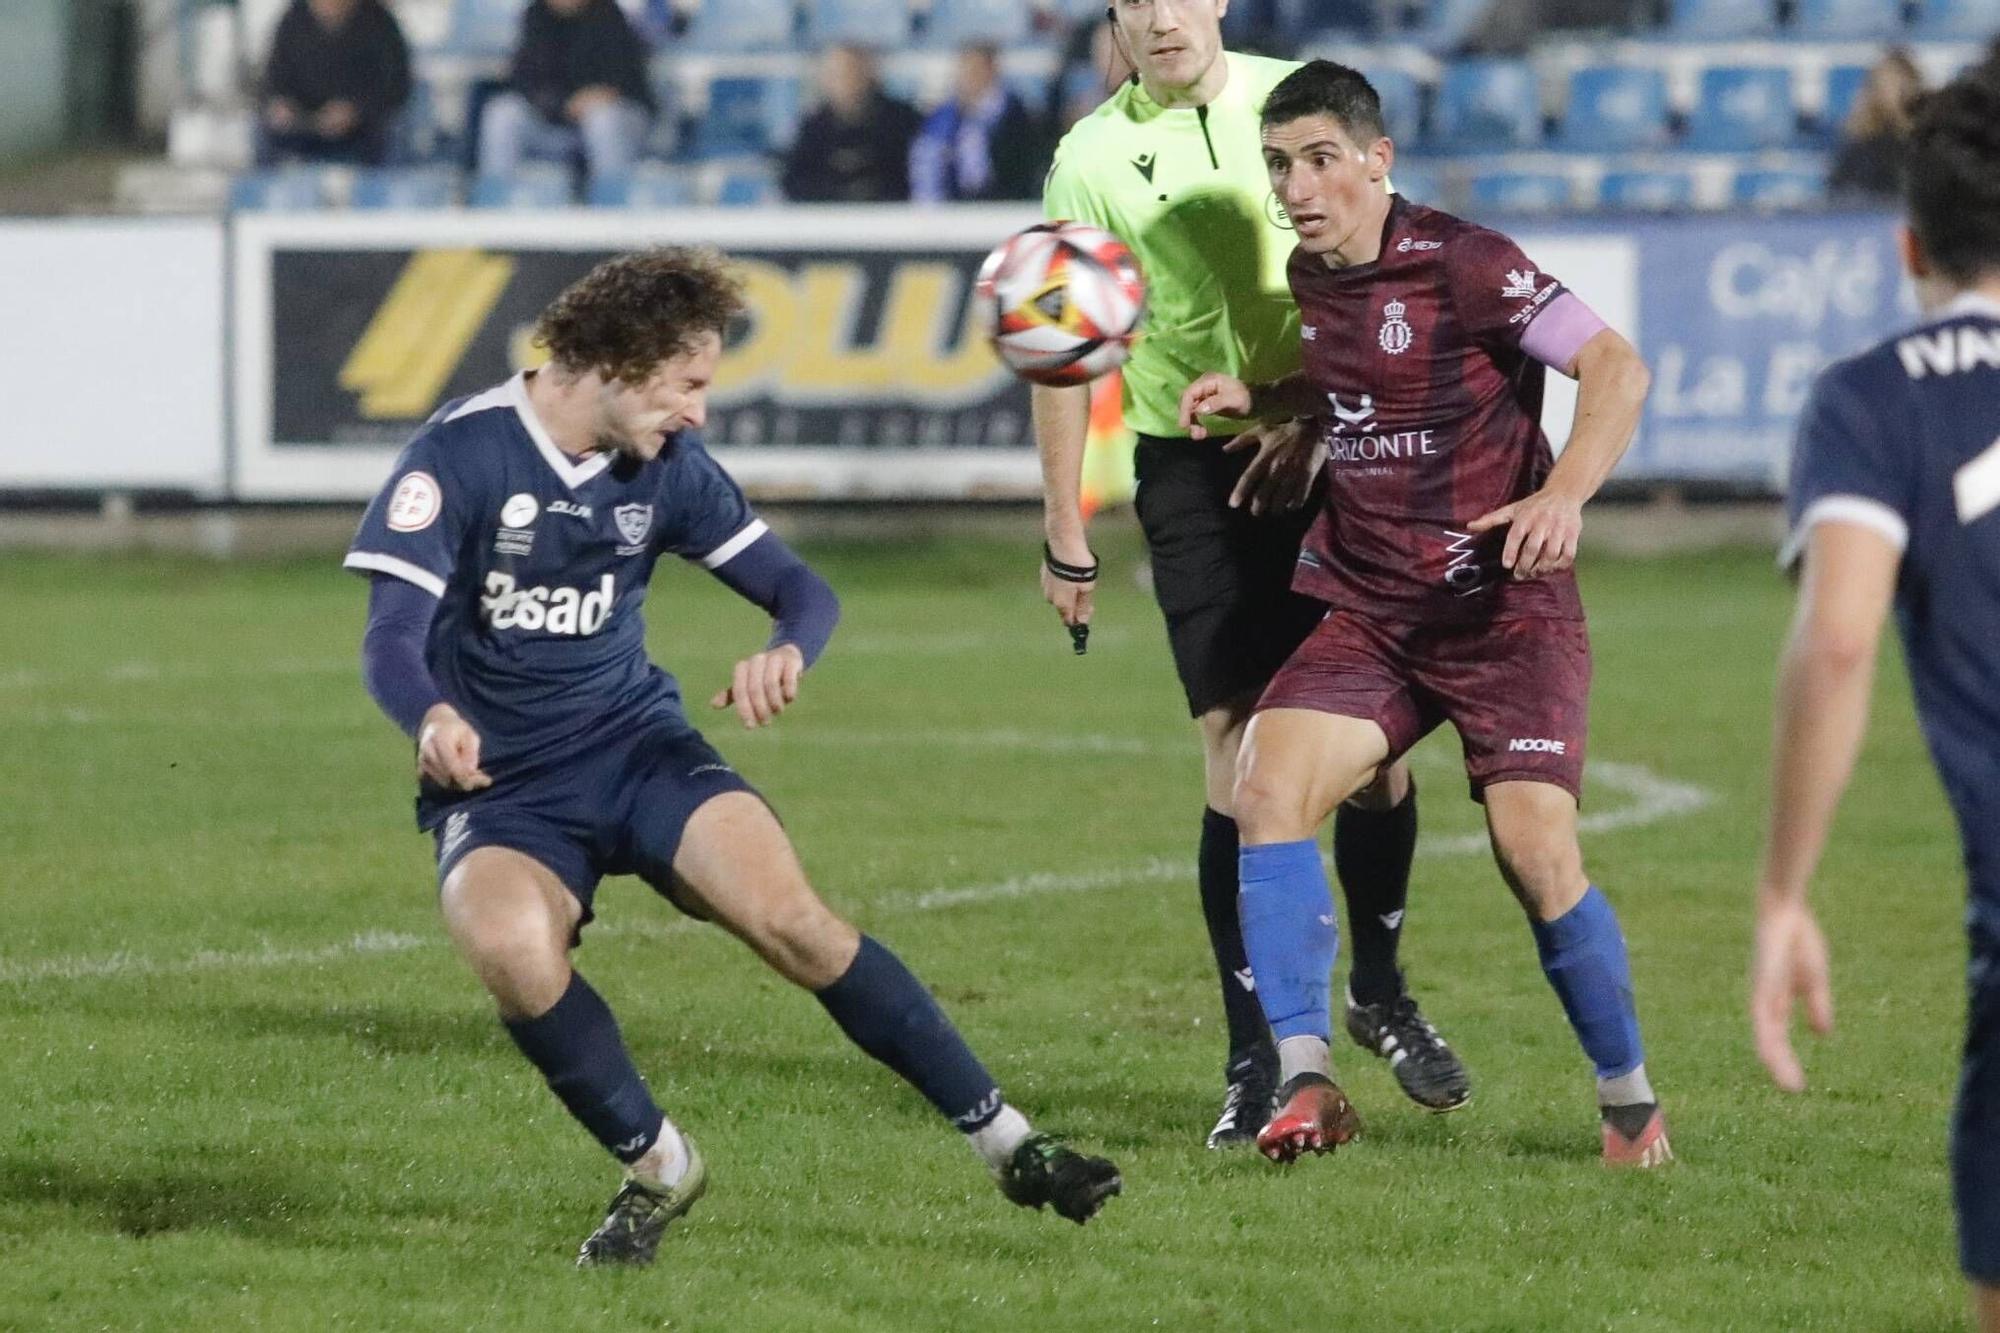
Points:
(1646, 1146)
(1313, 1115)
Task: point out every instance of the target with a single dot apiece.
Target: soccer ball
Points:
(1062, 302)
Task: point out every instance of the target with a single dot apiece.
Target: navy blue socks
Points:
(1290, 935)
(1583, 955)
(886, 1011)
(577, 1047)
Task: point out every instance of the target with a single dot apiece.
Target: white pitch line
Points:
(372, 944)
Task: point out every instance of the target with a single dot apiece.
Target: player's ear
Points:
(1915, 262)
(1381, 157)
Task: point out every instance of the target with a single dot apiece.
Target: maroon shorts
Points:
(1516, 691)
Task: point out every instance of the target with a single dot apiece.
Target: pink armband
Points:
(1560, 332)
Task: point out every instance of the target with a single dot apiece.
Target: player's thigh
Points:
(1296, 765)
(736, 864)
(513, 920)
(1532, 825)
(1518, 694)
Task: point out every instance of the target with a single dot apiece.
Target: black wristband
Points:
(1066, 572)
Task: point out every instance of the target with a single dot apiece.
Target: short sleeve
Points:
(708, 520)
(1065, 196)
(415, 526)
(1847, 465)
(1496, 291)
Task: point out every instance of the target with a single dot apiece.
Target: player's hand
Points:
(448, 750)
(764, 685)
(280, 114)
(1073, 601)
(1281, 474)
(336, 119)
(1790, 964)
(1542, 533)
(584, 100)
(1213, 395)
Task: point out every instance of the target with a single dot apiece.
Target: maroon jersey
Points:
(1433, 419)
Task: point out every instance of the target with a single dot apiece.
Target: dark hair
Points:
(629, 314)
(1322, 88)
(1951, 175)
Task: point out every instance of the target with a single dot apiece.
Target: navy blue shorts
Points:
(1975, 1126)
(620, 810)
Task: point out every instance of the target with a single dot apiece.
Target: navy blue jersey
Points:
(540, 563)
(1905, 439)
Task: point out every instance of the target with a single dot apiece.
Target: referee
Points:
(1167, 165)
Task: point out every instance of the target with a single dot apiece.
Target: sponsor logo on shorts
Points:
(1536, 745)
(457, 827)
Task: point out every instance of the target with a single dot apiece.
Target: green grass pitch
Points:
(247, 1084)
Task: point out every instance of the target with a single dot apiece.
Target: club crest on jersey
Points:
(1396, 335)
(634, 522)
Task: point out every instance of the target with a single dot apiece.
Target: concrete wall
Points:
(34, 62)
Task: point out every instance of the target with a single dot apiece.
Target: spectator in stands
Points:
(578, 84)
(1868, 164)
(855, 146)
(980, 145)
(1092, 67)
(338, 73)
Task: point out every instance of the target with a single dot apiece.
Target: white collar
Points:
(573, 473)
(1971, 303)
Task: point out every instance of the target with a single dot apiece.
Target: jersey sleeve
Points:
(1847, 466)
(415, 526)
(1496, 291)
(709, 520)
(1065, 195)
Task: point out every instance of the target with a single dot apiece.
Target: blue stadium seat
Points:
(746, 114)
(650, 186)
(1488, 104)
(747, 186)
(1720, 20)
(1843, 86)
(1742, 108)
(406, 187)
(742, 25)
(1646, 191)
(1520, 191)
(485, 27)
(414, 136)
(1442, 26)
(531, 187)
(285, 190)
(1402, 103)
(1771, 190)
(957, 22)
(1318, 20)
(878, 23)
(1613, 108)
(1956, 21)
(1847, 20)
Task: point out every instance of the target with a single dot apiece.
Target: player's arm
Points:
(1824, 679)
(400, 682)
(1218, 395)
(804, 611)
(1062, 427)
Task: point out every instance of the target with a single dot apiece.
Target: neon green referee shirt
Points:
(1186, 189)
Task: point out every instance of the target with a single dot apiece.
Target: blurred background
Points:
(249, 246)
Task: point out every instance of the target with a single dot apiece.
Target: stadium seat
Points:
(1488, 104)
(1778, 189)
(1614, 108)
(957, 22)
(1720, 20)
(1646, 191)
(406, 187)
(747, 186)
(285, 190)
(1843, 85)
(1956, 21)
(1443, 26)
(531, 187)
(746, 114)
(1520, 191)
(878, 23)
(1847, 20)
(742, 25)
(1402, 103)
(1321, 20)
(414, 136)
(651, 186)
(485, 27)
(1743, 108)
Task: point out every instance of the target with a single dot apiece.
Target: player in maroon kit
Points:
(1444, 552)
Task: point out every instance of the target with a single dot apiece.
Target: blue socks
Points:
(886, 1011)
(577, 1047)
(1583, 955)
(1290, 935)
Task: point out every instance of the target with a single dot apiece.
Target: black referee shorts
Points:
(1222, 577)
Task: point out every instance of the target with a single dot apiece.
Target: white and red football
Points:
(1062, 302)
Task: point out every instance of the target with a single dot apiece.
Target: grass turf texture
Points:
(226, 1110)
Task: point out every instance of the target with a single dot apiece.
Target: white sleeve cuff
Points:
(1856, 509)
(735, 546)
(402, 569)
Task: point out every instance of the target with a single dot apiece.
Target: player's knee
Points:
(1543, 866)
(803, 940)
(1267, 810)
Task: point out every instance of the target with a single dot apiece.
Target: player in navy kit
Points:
(1895, 498)
(510, 554)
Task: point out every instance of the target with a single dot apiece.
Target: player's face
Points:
(1173, 42)
(639, 420)
(1330, 186)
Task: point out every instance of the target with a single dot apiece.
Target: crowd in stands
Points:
(580, 93)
